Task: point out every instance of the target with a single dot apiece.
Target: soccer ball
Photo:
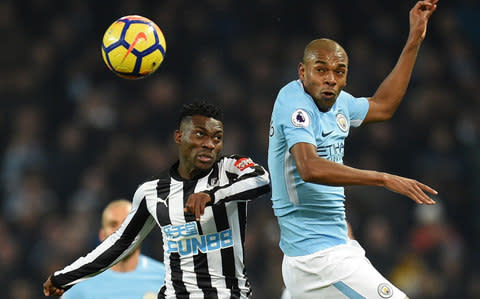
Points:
(133, 47)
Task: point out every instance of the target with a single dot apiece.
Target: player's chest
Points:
(332, 127)
(170, 209)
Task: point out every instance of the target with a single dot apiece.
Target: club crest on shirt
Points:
(300, 118)
(385, 290)
(342, 122)
(244, 163)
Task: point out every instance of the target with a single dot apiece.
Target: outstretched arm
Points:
(125, 240)
(315, 169)
(390, 93)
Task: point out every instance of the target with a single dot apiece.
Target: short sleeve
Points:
(357, 108)
(296, 118)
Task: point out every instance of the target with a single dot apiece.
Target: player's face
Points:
(113, 219)
(200, 140)
(324, 74)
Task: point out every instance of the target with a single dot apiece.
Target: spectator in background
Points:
(135, 276)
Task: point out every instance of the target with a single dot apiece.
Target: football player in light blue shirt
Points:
(135, 277)
(311, 118)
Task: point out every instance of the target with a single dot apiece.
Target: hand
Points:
(410, 188)
(50, 290)
(196, 204)
(419, 16)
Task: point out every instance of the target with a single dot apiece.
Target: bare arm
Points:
(390, 93)
(315, 169)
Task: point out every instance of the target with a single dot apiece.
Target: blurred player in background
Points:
(311, 119)
(146, 275)
(200, 205)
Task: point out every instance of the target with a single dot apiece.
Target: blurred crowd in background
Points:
(73, 136)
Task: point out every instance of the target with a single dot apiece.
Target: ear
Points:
(102, 235)
(177, 136)
(301, 71)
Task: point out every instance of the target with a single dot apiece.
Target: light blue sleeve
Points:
(357, 109)
(296, 118)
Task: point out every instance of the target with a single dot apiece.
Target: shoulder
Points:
(348, 98)
(147, 187)
(293, 102)
(292, 90)
(232, 158)
(345, 97)
(235, 162)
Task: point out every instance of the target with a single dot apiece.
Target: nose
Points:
(329, 78)
(208, 143)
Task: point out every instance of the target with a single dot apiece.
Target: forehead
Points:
(208, 123)
(327, 56)
(118, 212)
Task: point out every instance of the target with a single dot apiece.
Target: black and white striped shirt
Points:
(203, 259)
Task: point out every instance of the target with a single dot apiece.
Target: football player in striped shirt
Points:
(200, 206)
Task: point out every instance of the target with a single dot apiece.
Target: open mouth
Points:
(205, 158)
(328, 94)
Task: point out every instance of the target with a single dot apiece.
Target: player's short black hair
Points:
(200, 108)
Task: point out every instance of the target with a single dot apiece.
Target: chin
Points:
(204, 166)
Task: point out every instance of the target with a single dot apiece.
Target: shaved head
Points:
(323, 71)
(326, 44)
(115, 211)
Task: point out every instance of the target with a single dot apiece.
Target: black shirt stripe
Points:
(200, 261)
(227, 254)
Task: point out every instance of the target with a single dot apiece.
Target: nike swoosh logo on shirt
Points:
(326, 134)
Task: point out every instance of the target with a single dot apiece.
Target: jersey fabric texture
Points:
(311, 216)
(142, 283)
(203, 259)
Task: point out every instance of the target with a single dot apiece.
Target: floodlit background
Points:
(73, 136)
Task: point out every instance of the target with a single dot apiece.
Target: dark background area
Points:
(73, 136)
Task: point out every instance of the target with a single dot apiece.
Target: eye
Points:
(340, 72)
(320, 70)
(199, 134)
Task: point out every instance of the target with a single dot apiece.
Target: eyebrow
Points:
(205, 129)
(324, 63)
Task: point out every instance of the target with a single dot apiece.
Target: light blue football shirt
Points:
(142, 283)
(311, 216)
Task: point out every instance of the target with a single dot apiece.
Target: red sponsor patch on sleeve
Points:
(244, 163)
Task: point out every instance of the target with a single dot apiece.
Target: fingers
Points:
(52, 291)
(424, 198)
(198, 208)
(411, 188)
(58, 292)
(196, 204)
(425, 6)
(427, 188)
(430, 12)
(417, 193)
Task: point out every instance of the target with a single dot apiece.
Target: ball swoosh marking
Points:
(140, 35)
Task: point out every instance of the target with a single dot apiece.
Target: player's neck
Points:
(129, 263)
